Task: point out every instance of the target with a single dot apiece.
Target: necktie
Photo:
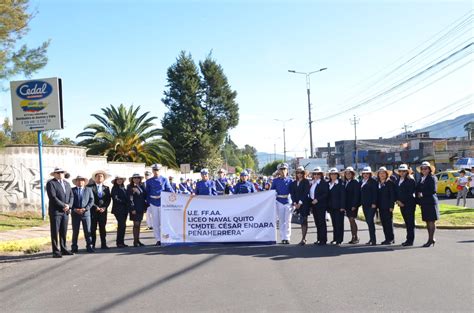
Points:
(62, 185)
(99, 191)
(80, 197)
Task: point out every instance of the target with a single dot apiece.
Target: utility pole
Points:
(284, 136)
(305, 153)
(354, 121)
(405, 127)
(308, 92)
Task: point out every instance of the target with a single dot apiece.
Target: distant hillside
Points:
(449, 128)
(264, 158)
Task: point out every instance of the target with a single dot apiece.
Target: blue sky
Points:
(112, 52)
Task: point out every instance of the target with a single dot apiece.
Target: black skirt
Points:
(429, 213)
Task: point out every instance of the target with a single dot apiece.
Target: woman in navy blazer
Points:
(368, 200)
(120, 208)
(428, 200)
(138, 205)
(405, 193)
(352, 188)
(386, 203)
(336, 205)
(299, 191)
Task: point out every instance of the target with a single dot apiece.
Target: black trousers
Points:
(58, 226)
(408, 214)
(337, 218)
(320, 221)
(121, 226)
(369, 214)
(86, 227)
(386, 217)
(101, 220)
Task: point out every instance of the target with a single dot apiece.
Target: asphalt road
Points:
(233, 278)
(469, 201)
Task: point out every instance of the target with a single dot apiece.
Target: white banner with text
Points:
(248, 218)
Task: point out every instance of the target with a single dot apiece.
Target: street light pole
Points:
(284, 136)
(308, 91)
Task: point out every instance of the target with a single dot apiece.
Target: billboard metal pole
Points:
(40, 154)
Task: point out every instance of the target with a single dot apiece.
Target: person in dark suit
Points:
(428, 200)
(60, 202)
(368, 200)
(102, 199)
(352, 189)
(299, 191)
(83, 201)
(405, 195)
(386, 203)
(120, 208)
(336, 205)
(318, 194)
(138, 205)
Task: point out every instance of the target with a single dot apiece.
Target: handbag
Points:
(296, 218)
(459, 187)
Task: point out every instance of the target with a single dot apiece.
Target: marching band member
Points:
(405, 196)
(222, 184)
(183, 187)
(205, 187)
(281, 185)
(386, 203)
(244, 186)
(173, 185)
(368, 200)
(149, 218)
(299, 190)
(154, 187)
(318, 194)
(336, 205)
(352, 201)
(428, 200)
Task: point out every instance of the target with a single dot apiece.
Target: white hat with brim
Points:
(79, 177)
(317, 170)
(384, 169)
(136, 175)
(244, 173)
(367, 170)
(204, 171)
(300, 169)
(156, 167)
(403, 167)
(426, 164)
(118, 177)
(349, 169)
(333, 171)
(57, 170)
(282, 166)
(106, 175)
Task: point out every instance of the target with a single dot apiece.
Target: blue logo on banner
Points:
(34, 90)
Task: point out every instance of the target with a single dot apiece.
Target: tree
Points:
(124, 135)
(202, 109)
(270, 168)
(66, 142)
(14, 19)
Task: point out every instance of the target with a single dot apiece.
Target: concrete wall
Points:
(19, 172)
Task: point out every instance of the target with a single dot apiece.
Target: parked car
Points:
(447, 183)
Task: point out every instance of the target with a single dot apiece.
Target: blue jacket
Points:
(184, 188)
(154, 187)
(337, 196)
(205, 188)
(244, 187)
(282, 187)
(86, 202)
(221, 184)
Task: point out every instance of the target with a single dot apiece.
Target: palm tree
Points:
(124, 136)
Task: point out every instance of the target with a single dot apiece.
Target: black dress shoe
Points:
(141, 244)
(65, 252)
(74, 250)
(321, 243)
(57, 256)
(90, 250)
(104, 247)
(407, 244)
(158, 243)
(387, 242)
(332, 242)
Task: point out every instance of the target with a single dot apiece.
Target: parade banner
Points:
(187, 219)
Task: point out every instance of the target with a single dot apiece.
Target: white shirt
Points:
(364, 181)
(313, 188)
(400, 182)
(423, 178)
(331, 184)
(462, 181)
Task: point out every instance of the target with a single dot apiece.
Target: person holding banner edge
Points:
(153, 189)
(223, 186)
(281, 185)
